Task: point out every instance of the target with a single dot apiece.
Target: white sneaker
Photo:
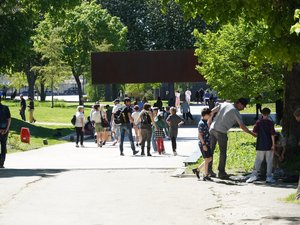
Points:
(251, 179)
(270, 180)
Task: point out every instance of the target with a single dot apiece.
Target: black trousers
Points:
(187, 115)
(79, 134)
(174, 145)
(22, 114)
(3, 141)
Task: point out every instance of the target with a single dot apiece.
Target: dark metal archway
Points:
(144, 67)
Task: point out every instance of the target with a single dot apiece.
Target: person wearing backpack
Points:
(146, 120)
(5, 120)
(126, 127)
(115, 128)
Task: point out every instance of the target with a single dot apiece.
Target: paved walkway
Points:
(65, 185)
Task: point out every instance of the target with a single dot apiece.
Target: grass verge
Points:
(240, 154)
(291, 199)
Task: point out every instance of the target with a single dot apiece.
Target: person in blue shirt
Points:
(204, 144)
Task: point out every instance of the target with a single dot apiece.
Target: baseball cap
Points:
(127, 99)
(243, 101)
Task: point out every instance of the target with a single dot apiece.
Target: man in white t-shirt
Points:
(227, 116)
(188, 94)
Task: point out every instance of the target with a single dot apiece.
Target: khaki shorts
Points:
(98, 127)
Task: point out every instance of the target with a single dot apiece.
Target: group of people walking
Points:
(151, 126)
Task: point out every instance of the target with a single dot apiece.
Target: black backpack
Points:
(120, 117)
(145, 120)
(73, 120)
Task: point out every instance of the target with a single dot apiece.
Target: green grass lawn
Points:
(252, 108)
(61, 113)
(240, 154)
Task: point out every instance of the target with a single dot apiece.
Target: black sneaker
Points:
(223, 175)
(195, 171)
(207, 178)
(212, 174)
(135, 152)
(103, 142)
(121, 154)
(148, 154)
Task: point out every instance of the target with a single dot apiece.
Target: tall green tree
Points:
(277, 45)
(225, 58)
(18, 19)
(151, 29)
(85, 29)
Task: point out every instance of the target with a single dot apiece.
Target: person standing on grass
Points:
(204, 144)
(227, 116)
(265, 145)
(79, 125)
(22, 107)
(5, 120)
(174, 122)
(31, 110)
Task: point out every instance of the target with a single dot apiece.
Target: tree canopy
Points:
(226, 64)
(83, 30)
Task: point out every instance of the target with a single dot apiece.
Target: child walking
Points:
(265, 145)
(204, 144)
(159, 133)
(174, 121)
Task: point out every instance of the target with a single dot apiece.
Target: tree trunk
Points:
(290, 127)
(115, 90)
(298, 190)
(107, 95)
(78, 82)
(171, 93)
(31, 80)
(42, 92)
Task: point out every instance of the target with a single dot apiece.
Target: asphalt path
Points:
(65, 185)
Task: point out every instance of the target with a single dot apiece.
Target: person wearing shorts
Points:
(97, 124)
(204, 144)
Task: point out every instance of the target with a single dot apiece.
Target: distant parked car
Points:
(71, 91)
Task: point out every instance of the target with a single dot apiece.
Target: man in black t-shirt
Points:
(5, 120)
(126, 126)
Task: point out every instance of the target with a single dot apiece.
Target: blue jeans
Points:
(126, 128)
(153, 141)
